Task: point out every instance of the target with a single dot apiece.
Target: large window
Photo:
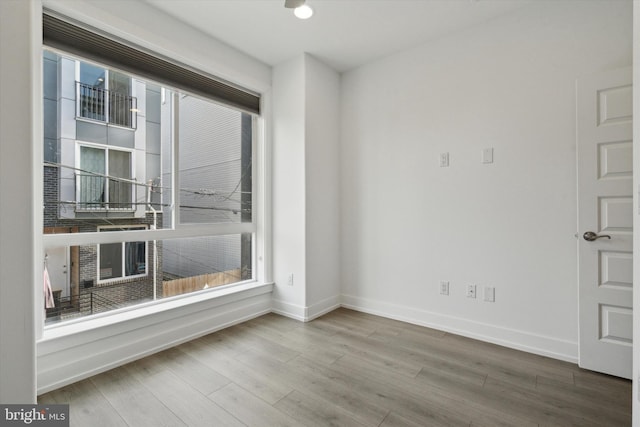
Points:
(158, 206)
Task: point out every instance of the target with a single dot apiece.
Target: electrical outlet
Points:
(471, 291)
(444, 288)
(290, 280)
(489, 294)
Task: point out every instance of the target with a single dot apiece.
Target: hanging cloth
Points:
(48, 293)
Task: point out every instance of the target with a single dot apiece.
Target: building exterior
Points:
(102, 161)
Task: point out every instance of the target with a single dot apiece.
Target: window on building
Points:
(122, 260)
(161, 201)
(104, 178)
(105, 95)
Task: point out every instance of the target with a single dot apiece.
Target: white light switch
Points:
(487, 155)
(444, 288)
(444, 160)
(489, 294)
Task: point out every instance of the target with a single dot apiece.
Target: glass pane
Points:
(110, 261)
(120, 191)
(121, 104)
(119, 82)
(180, 266)
(91, 178)
(92, 75)
(92, 92)
(215, 145)
(135, 258)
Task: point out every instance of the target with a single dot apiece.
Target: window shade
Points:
(63, 35)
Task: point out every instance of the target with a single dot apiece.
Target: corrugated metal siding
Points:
(202, 255)
(210, 168)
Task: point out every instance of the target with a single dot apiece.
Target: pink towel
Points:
(48, 293)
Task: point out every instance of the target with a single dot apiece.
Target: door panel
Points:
(57, 265)
(605, 206)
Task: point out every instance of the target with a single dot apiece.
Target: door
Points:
(605, 223)
(57, 265)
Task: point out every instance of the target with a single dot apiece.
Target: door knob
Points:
(590, 236)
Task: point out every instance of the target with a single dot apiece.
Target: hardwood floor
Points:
(344, 369)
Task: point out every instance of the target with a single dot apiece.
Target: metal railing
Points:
(100, 104)
(96, 192)
(80, 305)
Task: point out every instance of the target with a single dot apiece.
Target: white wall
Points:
(288, 180)
(306, 242)
(322, 173)
(409, 224)
(20, 125)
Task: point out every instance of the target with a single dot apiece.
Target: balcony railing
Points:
(80, 305)
(106, 106)
(97, 192)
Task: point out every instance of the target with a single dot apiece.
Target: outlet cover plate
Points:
(471, 291)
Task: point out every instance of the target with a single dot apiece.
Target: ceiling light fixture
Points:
(300, 9)
(303, 12)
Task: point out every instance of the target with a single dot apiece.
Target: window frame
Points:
(106, 149)
(107, 98)
(123, 278)
(260, 269)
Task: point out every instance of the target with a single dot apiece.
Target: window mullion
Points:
(106, 96)
(175, 146)
(106, 179)
(123, 258)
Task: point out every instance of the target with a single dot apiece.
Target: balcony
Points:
(100, 193)
(95, 103)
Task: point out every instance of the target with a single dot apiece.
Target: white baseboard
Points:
(305, 314)
(519, 340)
(322, 307)
(293, 311)
(67, 359)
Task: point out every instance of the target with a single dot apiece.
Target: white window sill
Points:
(201, 300)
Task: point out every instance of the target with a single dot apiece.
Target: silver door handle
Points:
(590, 236)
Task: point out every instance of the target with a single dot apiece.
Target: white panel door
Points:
(57, 262)
(605, 222)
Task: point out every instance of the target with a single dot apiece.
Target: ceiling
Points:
(342, 33)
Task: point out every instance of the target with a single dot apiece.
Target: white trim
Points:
(21, 213)
(293, 311)
(306, 313)
(636, 217)
(262, 210)
(70, 353)
(175, 160)
(512, 338)
(322, 307)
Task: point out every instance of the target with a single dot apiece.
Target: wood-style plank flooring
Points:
(344, 369)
